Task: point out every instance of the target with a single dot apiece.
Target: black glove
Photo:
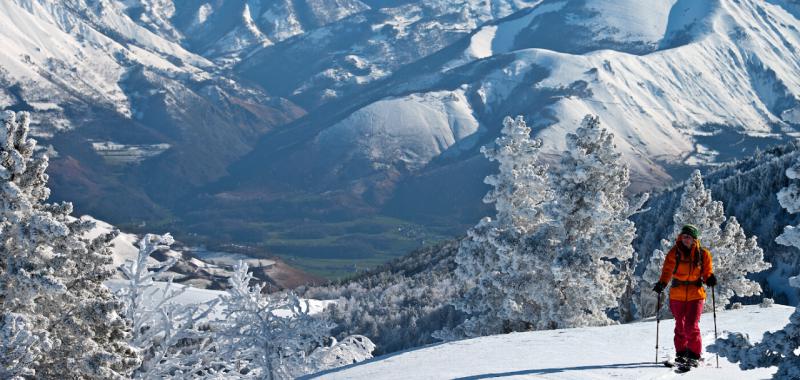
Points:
(711, 280)
(659, 287)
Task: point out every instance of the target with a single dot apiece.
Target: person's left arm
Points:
(708, 269)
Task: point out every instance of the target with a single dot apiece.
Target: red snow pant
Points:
(687, 325)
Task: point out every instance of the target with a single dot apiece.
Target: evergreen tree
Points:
(646, 300)
(275, 336)
(519, 189)
(736, 256)
(698, 208)
(591, 269)
(169, 335)
(486, 257)
(559, 253)
(779, 348)
(52, 297)
(352, 349)
(789, 198)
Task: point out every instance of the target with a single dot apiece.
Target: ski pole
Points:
(658, 321)
(714, 305)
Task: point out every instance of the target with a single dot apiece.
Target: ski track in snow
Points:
(612, 352)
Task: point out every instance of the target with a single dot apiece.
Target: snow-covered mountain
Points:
(225, 30)
(612, 352)
(223, 118)
(681, 84)
(660, 76)
(119, 103)
(338, 59)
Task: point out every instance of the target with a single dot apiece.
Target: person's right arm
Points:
(668, 267)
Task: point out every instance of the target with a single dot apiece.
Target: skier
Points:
(688, 265)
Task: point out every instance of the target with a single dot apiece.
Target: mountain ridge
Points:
(303, 125)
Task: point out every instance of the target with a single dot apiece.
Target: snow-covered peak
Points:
(662, 76)
(58, 52)
(226, 30)
(412, 130)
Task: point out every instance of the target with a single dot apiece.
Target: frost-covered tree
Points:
(789, 198)
(734, 255)
(519, 189)
(564, 261)
(646, 300)
(352, 349)
(779, 348)
(486, 257)
(776, 349)
(170, 335)
(699, 209)
(19, 348)
(591, 268)
(275, 336)
(52, 298)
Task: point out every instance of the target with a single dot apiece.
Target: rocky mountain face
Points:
(350, 129)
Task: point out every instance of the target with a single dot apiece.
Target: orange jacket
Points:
(688, 270)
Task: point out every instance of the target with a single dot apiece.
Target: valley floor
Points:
(613, 352)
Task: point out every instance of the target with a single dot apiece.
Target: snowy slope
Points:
(413, 129)
(123, 246)
(108, 95)
(658, 75)
(656, 102)
(224, 31)
(192, 296)
(369, 41)
(613, 352)
(58, 52)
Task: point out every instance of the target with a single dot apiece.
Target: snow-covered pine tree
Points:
(169, 335)
(52, 298)
(646, 300)
(352, 349)
(486, 257)
(275, 336)
(734, 255)
(519, 189)
(594, 247)
(698, 208)
(779, 348)
(789, 198)
(19, 347)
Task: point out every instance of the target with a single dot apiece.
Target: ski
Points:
(668, 363)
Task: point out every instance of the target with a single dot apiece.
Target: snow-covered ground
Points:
(192, 296)
(613, 352)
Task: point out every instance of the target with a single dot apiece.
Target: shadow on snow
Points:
(545, 371)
